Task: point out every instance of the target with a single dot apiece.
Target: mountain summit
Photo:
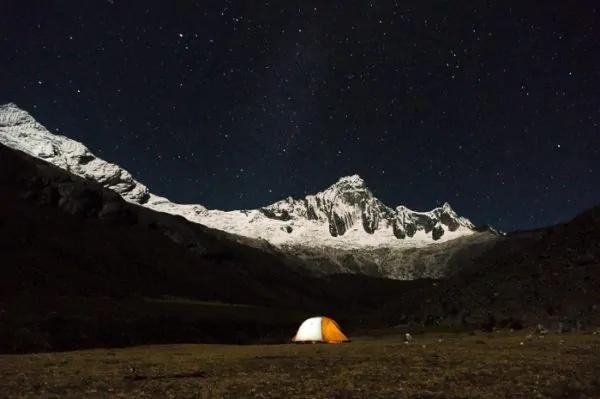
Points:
(349, 207)
(345, 215)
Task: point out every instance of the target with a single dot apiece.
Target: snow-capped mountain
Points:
(344, 217)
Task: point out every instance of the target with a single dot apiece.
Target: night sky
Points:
(493, 106)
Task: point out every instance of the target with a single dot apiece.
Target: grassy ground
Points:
(484, 365)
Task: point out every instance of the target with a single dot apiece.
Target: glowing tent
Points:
(320, 329)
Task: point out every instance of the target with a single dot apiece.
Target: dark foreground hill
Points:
(549, 276)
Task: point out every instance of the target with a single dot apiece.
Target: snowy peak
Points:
(350, 190)
(435, 222)
(343, 205)
(21, 131)
(349, 183)
(348, 205)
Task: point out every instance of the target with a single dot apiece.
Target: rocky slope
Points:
(341, 229)
(549, 275)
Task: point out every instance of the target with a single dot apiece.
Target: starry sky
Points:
(491, 105)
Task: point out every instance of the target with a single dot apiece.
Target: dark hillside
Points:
(548, 275)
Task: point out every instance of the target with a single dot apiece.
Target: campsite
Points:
(484, 365)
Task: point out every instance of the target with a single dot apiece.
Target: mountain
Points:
(345, 215)
(341, 229)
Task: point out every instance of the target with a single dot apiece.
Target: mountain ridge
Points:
(341, 229)
(20, 131)
(344, 215)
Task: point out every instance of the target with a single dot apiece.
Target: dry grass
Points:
(461, 366)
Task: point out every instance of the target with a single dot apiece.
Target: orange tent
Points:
(320, 329)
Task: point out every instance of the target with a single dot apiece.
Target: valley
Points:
(100, 282)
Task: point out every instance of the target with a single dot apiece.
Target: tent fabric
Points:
(320, 329)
